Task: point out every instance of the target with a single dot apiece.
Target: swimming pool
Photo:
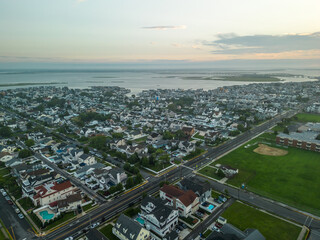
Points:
(211, 207)
(45, 215)
(140, 220)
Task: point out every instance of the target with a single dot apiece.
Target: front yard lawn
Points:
(26, 203)
(207, 233)
(273, 228)
(210, 172)
(107, 231)
(190, 220)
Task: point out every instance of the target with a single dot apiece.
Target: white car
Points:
(4, 193)
(215, 229)
(20, 215)
(69, 238)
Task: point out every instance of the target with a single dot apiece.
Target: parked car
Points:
(218, 225)
(184, 225)
(215, 229)
(69, 238)
(222, 198)
(199, 214)
(17, 210)
(10, 202)
(7, 198)
(20, 215)
(177, 230)
(4, 193)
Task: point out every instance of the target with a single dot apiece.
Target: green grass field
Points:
(308, 117)
(272, 228)
(210, 172)
(292, 179)
(107, 231)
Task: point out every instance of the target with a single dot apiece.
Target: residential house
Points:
(127, 229)
(158, 216)
(229, 171)
(87, 159)
(187, 202)
(52, 191)
(189, 131)
(70, 203)
(88, 169)
(186, 146)
(200, 188)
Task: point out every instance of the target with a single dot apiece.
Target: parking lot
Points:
(18, 228)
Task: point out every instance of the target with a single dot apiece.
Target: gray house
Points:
(201, 189)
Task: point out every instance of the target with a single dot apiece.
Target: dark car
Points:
(10, 202)
(218, 225)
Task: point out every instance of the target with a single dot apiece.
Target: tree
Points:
(5, 132)
(220, 174)
(29, 142)
(318, 137)
(151, 149)
(130, 183)
(241, 128)
(24, 153)
(98, 142)
(29, 125)
(144, 161)
(138, 179)
(234, 133)
(167, 135)
(86, 150)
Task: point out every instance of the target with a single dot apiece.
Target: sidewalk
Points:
(36, 230)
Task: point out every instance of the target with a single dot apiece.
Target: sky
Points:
(119, 31)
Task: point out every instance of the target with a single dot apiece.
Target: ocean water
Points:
(138, 80)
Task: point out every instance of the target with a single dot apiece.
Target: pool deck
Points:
(45, 208)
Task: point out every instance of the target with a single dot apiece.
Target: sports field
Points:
(292, 178)
(308, 117)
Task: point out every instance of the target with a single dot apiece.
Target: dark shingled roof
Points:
(195, 185)
(160, 211)
(128, 227)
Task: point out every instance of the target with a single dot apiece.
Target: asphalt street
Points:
(18, 228)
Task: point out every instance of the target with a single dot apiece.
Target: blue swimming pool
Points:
(45, 215)
(140, 220)
(211, 207)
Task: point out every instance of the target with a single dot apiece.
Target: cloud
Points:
(233, 44)
(166, 27)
